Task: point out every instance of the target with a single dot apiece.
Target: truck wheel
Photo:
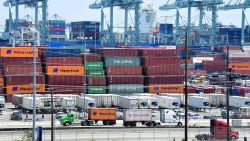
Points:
(108, 123)
(67, 124)
(104, 123)
(179, 124)
(83, 123)
(90, 123)
(133, 124)
(233, 138)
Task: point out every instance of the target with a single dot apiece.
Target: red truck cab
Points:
(218, 129)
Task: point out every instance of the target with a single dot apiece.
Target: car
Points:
(60, 114)
(194, 116)
(16, 115)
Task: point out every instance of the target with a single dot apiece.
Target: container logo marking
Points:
(55, 70)
(15, 88)
(8, 52)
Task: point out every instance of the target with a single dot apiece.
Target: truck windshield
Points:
(247, 103)
(1, 105)
(154, 103)
(91, 104)
(206, 103)
(175, 104)
(144, 103)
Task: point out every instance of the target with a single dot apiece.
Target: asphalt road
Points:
(124, 134)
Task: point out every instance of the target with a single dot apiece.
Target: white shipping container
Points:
(128, 102)
(68, 103)
(239, 54)
(89, 102)
(198, 102)
(28, 103)
(168, 102)
(215, 99)
(238, 101)
(237, 122)
(153, 102)
(200, 59)
(245, 83)
(137, 115)
(17, 100)
(105, 100)
(2, 103)
(142, 102)
(246, 48)
(115, 100)
(180, 97)
(247, 95)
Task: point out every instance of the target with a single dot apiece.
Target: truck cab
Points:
(68, 120)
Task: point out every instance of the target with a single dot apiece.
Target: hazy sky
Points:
(77, 10)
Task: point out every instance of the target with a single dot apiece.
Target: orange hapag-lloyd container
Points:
(24, 89)
(243, 66)
(163, 88)
(17, 52)
(102, 114)
(1, 82)
(65, 70)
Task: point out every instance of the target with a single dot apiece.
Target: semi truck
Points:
(218, 131)
(106, 115)
(147, 117)
(238, 101)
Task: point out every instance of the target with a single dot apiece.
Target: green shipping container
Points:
(57, 21)
(99, 73)
(93, 66)
(122, 61)
(82, 48)
(126, 88)
(97, 90)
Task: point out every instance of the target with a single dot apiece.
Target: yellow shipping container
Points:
(65, 70)
(17, 52)
(24, 89)
(164, 88)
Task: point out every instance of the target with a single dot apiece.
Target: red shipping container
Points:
(18, 60)
(77, 90)
(1, 72)
(57, 29)
(66, 80)
(22, 70)
(158, 52)
(163, 70)
(111, 52)
(180, 48)
(244, 72)
(209, 90)
(165, 79)
(91, 57)
(24, 79)
(219, 90)
(215, 65)
(63, 61)
(150, 61)
(191, 90)
(97, 81)
(197, 72)
(182, 61)
(231, 48)
(125, 80)
(137, 70)
(239, 60)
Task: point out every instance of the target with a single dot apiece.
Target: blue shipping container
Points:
(52, 52)
(57, 32)
(166, 29)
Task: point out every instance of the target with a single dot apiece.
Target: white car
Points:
(194, 116)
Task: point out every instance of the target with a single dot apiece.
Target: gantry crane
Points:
(126, 4)
(178, 4)
(29, 3)
(239, 4)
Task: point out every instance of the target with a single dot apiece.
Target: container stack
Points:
(57, 30)
(18, 71)
(65, 71)
(162, 71)
(123, 70)
(96, 80)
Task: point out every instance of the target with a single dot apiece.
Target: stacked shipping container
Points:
(65, 71)
(57, 30)
(124, 71)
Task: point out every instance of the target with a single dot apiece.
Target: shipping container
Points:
(125, 80)
(243, 66)
(137, 115)
(122, 61)
(96, 81)
(97, 90)
(157, 61)
(163, 70)
(22, 70)
(200, 59)
(137, 70)
(169, 102)
(118, 52)
(85, 103)
(82, 47)
(102, 114)
(61, 52)
(99, 73)
(92, 57)
(1, 82)
(65, 70)
(158, 52)
(68, 103)
(165, 79)
(18, 60)
(28, 103)
(195, 72)
(93, 66)
(24, 79)
(239, 54)
(127, 102)
(66, 89)
(215, 65)
(105, 100)
(24, 89)
(17, 52)
(65, 80)
(160, 88)
(126, 88)
(1, 72)
(63, 61)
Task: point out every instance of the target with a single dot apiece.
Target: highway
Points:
(117, 134)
